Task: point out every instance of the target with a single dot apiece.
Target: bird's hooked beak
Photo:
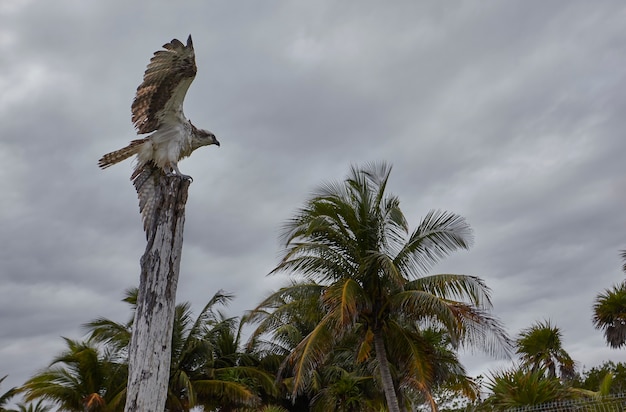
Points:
(211, 137)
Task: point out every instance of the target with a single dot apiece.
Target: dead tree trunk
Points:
(150, 346)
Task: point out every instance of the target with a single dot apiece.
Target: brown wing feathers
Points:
(167, 70)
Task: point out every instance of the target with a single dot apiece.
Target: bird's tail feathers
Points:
(117, 156)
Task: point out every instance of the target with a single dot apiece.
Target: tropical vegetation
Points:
(609, 312)
(363, 277)
(82, 378)
(524, 387)
(361, 326)
(595, 378)
(540, 348)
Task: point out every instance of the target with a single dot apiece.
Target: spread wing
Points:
(165, 83)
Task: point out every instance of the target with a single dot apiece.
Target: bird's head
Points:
(205, 138)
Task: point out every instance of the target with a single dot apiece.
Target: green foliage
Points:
(33, 407)
(363, 281)
(81, 379)
(540, 347)
(594, 378)
(343, 391)
(609, 312)
(610, 315)
(523, 387)
(207, 367)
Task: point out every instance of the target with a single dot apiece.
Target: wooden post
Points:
(150, 346)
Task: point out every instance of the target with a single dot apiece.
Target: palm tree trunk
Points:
(150, 346)
(385, 373)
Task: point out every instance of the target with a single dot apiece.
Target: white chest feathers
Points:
(166, 146)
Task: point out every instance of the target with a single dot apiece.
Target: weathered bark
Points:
(385, 374)
(150, 346)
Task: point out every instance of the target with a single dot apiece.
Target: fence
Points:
(615, 403)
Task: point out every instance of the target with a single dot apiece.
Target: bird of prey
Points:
(158, 109)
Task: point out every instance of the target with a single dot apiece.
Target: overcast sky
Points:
(509, 113)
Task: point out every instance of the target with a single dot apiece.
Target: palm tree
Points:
(609, 312)
(353, 240)
(540, 347)
(206, 367)
(81, 379)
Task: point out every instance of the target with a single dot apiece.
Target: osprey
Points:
(158, 109)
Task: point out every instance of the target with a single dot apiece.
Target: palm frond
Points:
(471, 289)
(108, 332)
(381, 262)
(32, 407)
(222, 392)
(287, 313)
(4, 398)
(467, 325)
(483, 331)
(316, 261)
(438, 234)
(130, 296)
(420, 306)
(413, 355)
(258, 377)
(309, 353)
(348, 299)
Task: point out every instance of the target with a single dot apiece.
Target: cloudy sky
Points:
(511, 114)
